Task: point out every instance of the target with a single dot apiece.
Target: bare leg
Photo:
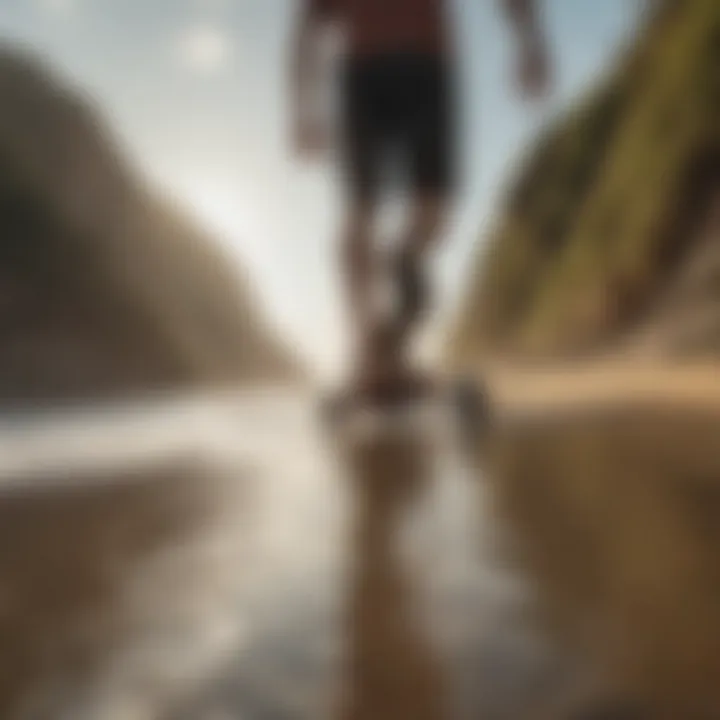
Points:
(358, 265)
(385, 365)
(381, 345)
(410, 267)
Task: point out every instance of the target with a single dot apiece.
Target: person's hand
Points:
(311, 140)
(534, 72)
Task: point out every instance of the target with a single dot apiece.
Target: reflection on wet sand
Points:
(392, 670)
(615, 513)
(95, 581)
(350, 611)
(212, 583)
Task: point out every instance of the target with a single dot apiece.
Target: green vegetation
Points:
(606, 209)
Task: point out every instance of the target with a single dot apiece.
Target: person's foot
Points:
(384, 375)
(381, 364)
(395, 388)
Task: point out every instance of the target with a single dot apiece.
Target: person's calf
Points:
(413, 289)
(358, 264)
(410, 262)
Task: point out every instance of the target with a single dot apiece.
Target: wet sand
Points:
(209, 581)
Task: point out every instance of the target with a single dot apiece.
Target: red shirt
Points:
(378, 26)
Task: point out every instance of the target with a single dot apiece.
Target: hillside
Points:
(107, 288)
(601, 225)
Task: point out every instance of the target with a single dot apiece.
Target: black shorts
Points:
(398, 113)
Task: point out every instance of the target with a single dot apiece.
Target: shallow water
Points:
(233, 609)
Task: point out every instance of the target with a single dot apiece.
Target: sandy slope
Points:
(611, 382)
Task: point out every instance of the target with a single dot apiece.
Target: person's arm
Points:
(313, 16)
(534, 72)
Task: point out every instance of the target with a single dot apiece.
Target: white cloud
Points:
(204, 48)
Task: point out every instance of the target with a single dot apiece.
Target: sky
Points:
(197, 91)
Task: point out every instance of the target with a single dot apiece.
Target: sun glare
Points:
(219, 207)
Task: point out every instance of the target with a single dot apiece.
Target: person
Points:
(398, 101)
